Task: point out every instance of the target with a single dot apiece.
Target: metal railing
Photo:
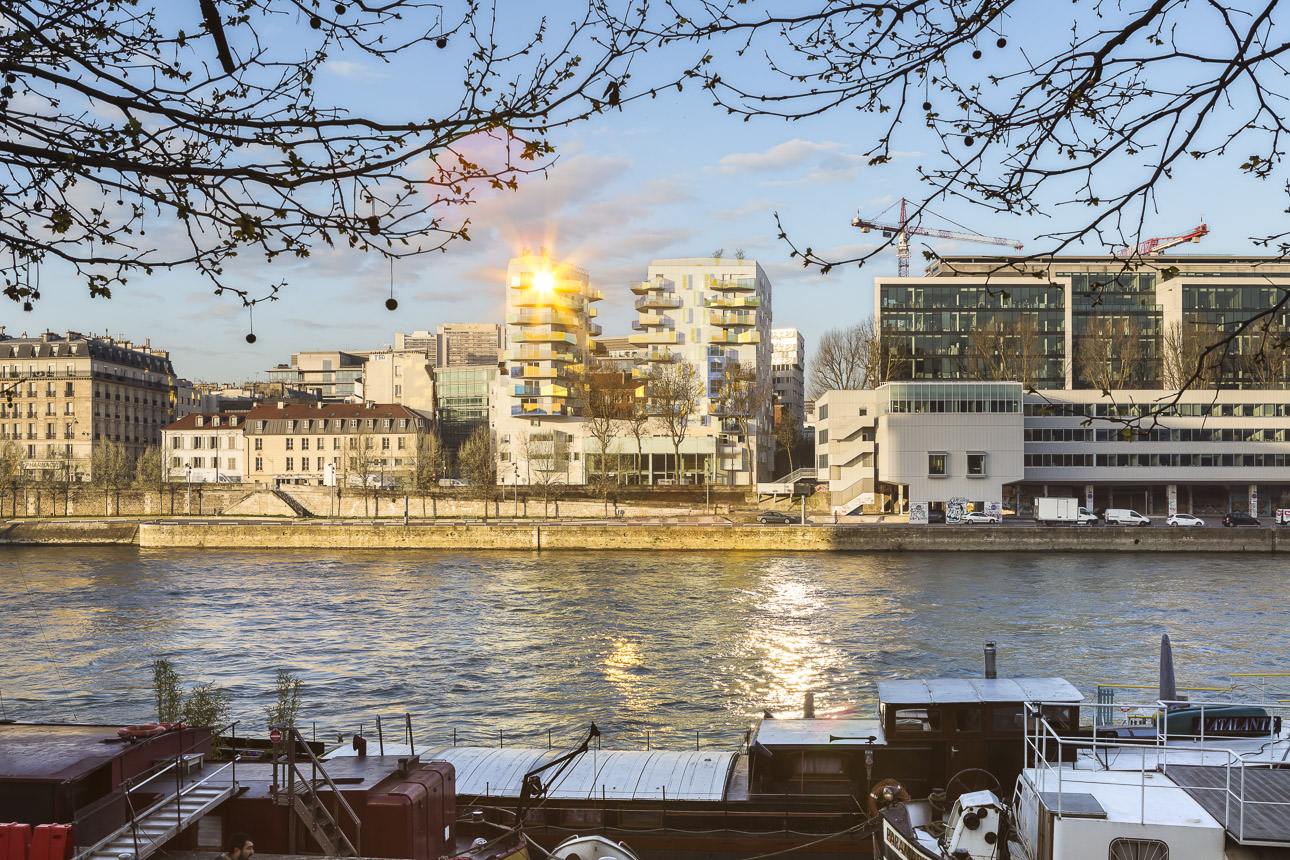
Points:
(1046, 748)
(110, 815)
(292, 771)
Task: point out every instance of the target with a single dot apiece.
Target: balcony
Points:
(540, 373)
(545, 335)
(642, 287)
(732, 337)
(729, 319)
(595, 295)
(527, 353)
(539, 299)
(543, 316)
(732, 302)
(646, 338)
(745, 285)
(657, 302)
(594, 329)
(655, 353)
(652, 321)
(535, 409)
(547, 390)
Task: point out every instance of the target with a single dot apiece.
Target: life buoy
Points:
(885, 793)
(144, 730)
(173, 727)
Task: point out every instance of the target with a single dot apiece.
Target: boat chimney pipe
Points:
(808, 707)
(991, 671)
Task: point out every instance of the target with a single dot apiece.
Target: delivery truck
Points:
(1052, 510)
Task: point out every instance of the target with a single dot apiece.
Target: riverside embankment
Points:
(231, 534)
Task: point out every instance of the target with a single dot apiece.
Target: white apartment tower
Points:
(789, 362)
(549, 317)
(712, 311)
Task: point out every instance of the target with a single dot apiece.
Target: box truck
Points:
(1062, 511)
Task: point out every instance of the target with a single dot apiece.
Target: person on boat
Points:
(240, 847)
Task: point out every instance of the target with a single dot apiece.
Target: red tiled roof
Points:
(330, 410)
(226, 419)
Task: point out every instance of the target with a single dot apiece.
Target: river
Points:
(686, 646)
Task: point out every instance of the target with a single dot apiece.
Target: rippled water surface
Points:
(672, 644)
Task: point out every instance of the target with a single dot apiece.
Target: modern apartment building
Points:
(788, 365)
(204, 447)
(988, 443)
(327, 374)
(462, 397)
(1081, 322)
(711, 312)
(61, 396)
(347, 444)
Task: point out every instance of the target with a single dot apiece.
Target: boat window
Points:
(916, 720)
(817, 764)
(1060, 718)
(1009, 718)
(968, 720)
(1138, 849)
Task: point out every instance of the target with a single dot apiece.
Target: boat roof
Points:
(1142, 798)
(951, 691)
(610, 774)
(55, 752)
(831, 733)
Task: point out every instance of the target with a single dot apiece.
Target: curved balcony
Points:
(656, 353)
(543, 316)
(547, 390)
(595, 295)
(660, 302)
(539, 299)
(594, 329)
(742, 285)
(540, 373)
(652, 321)
(659, 283)
(728, 319)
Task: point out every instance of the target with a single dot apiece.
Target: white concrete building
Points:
(711, 312)
(1208, 453)
(403, 376)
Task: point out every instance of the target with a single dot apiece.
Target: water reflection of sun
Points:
(621, 670)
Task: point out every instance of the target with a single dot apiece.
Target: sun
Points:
(544, 282)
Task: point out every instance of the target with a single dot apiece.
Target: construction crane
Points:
(1158, 246)
(903, 230)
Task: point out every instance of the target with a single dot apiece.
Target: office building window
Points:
(938, 465)
(976, 465)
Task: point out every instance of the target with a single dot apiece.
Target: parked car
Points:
(1184, 520)
(935, 516)
(776, 518)
(973, 517)
(1125, 517)
(1236, 518)
(453, 482)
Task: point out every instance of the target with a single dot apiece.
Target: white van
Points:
(1124, 517)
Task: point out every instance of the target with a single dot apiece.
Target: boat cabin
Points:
(926, 732)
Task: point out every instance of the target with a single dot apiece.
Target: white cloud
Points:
(354, 71)
(790, 153)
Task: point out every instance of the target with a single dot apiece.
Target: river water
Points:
(679, 644)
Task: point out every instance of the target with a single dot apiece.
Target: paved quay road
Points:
(670, 643)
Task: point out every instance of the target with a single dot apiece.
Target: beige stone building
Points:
(404, 376)
(63, 395)
(372, 444)
(205, 447)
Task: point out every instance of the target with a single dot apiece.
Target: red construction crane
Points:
(903, 230)
(1157, 246)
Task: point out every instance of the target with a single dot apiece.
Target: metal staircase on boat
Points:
(175, 811)
(300, 792)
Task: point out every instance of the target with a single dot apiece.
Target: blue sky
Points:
(670, 177)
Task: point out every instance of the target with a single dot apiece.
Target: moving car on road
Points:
(1236, 518)
(775, 518)
(1184, 520)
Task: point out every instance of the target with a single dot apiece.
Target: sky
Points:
(669, 177)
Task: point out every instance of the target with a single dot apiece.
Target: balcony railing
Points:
(656, 285)
(539, 299)
(540, 391)
(651, 321)
(542, 316)
(541, 335)
(727, 319)
(732, 302)
(535, 409)
(660, 302)
(735, 284)
(654, 337)
(525, 353)
(732, 337)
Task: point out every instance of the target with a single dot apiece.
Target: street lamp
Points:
(188, 476)
(515, 487)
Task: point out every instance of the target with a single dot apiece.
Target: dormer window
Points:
(201, 421)
(215, 421)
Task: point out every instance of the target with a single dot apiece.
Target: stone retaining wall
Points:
(712, 538)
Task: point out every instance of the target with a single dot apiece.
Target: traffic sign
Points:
(275, 735)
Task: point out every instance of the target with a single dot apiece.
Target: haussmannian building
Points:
(63, 396)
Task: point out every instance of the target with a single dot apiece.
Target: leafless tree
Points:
(140, 137)
(605, 399)
(744, 400)
(673, 389)
(1112, 354)
(1006, 350)
(788, 435)
(1184, 360)
(478, 463)
(848, 359)
(636, 421)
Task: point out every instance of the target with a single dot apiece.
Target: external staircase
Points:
(291, 502)
(298, 789)
(184, 800)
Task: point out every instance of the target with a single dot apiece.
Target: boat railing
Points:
(1213, 745)
(169, 779)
